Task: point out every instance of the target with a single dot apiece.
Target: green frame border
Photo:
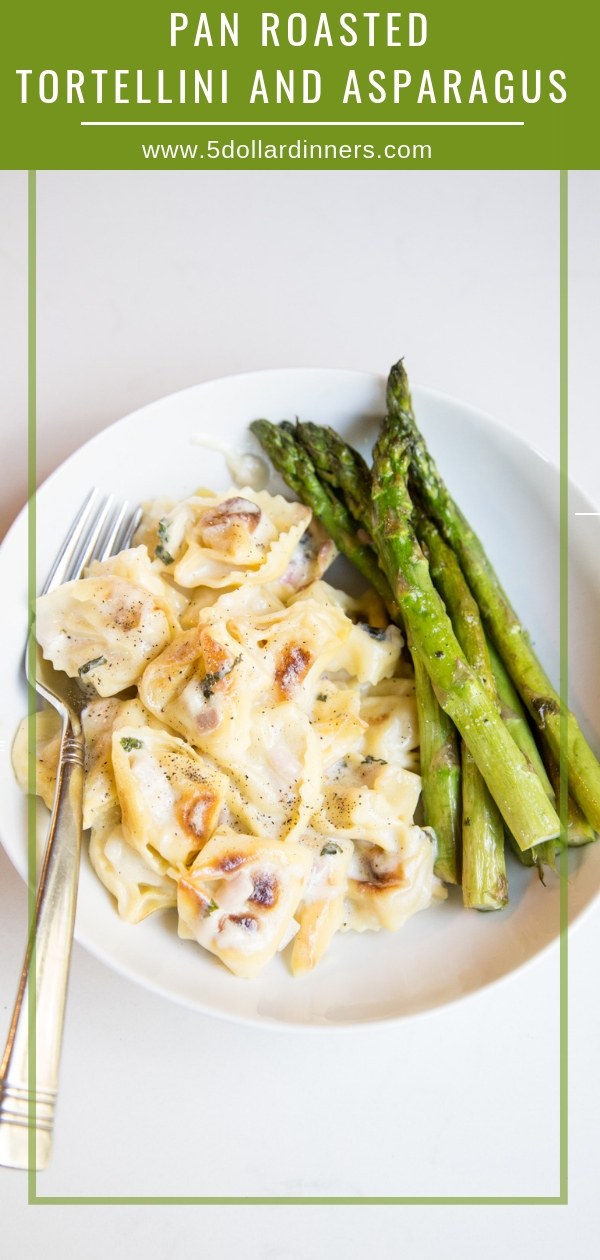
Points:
(419, 1201)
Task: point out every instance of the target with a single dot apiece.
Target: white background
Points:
(148, 282)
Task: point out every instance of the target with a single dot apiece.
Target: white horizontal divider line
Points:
(586, 513)
(163, 122)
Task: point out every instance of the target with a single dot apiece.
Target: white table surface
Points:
(151, 281)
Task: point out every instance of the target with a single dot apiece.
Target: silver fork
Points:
(28, 1091)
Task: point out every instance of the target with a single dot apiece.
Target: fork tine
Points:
(101, 529)
(127, 538)
(108, 547)
(60, 568)
(90, 541)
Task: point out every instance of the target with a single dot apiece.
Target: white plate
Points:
(510, 494)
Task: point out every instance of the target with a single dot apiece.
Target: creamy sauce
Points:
(245, 468)
(234, 893)
(159, 798)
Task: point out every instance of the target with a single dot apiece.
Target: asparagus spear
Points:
(509, 635)
(484, 880)
(440, 776)
(484, 868)
(345, 469)
(298, 470)
(518, 793)
(531, 857)
(578, 828)
(440, 766)
(448, 579)
(514, 717)
(341, 466)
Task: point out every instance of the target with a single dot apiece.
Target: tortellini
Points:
(240, 895)
(103, 629)
(251, 734)
(242, 536)
(392, 730)
(368, 653)
(48, 736)
(310, 559)
(384, 890)
(367, 800)
(336, 721)
(170, 797)
(207, 683)
(321, 911)
(100, 719)
(275, 786)
(139, 890)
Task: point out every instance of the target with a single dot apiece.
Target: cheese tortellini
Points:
(105, 628)
(251, 734)
(239, 897)
(230, 539)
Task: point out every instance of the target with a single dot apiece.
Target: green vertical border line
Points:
(31, 662)
(417, 1201)
(564, 681)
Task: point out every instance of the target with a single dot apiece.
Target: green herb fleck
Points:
(369, 761)
(322, 696)
(209, 682)
(330, 848)
(161, 552)
(209, 906)
(85, 669)
(129, 743)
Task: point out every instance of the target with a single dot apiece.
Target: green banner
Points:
(131, 85)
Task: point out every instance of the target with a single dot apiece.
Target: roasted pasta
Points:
(251, 734)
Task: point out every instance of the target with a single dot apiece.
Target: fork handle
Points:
(26, 1103)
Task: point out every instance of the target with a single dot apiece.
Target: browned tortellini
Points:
(242, 536)
(368, 652)
(210, 679)
(170, 797)
(204, 686)
(386, 889)
(104, 628)
(239, 898)
(364, 799)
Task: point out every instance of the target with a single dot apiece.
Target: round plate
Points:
(511, 496)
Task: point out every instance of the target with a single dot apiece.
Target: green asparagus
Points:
(514, 717)
(484, 882)
(507, 632)
(440, 776)
(578, 828)
(484, 869)
(518, 793)
(342, 467)
(298, 470)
